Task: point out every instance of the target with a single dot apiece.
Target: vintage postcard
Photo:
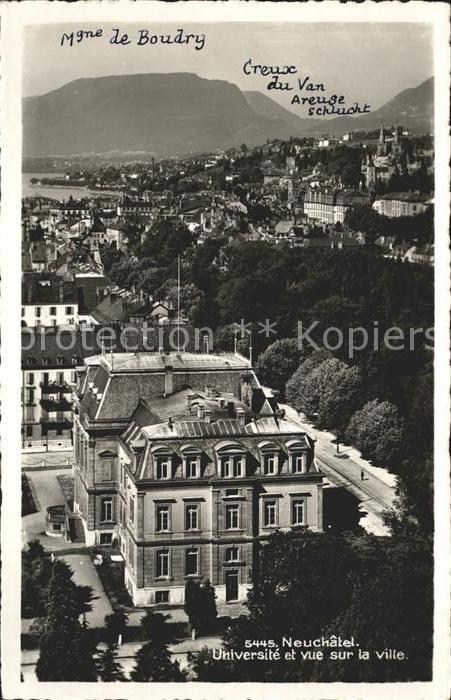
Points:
(225, 304)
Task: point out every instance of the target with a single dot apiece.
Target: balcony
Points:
(60, 404)
(55, 387)
(54, 423)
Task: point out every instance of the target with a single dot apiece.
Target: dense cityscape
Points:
(200, 472)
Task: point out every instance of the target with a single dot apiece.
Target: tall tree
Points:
(108, 667)
(277, 363)
(153, 663)
(377, 431)
(330, 392)
(66, 647)
(115, 625)
(153, 660)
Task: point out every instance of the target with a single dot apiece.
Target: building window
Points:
(232, 554)
(37, 312)
(53, 311)
(269, 464)
(232, 467)
(106, 510)
(105, 538)
(30, 378)
(161, 597)
(29, 412)
(69, 310)
(269, 513)
(162, 566)
(191, 517)
(299, 463)
(163, 468)
(162, 519)
(238, 463)
(232, 516)
(29, 431)
(23, 312)
(297, 511)
(131, 506)
(191, 467)
(226, 467)
(191, 562)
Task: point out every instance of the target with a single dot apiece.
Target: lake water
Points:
(59, 193)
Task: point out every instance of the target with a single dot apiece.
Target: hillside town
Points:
(176, 435)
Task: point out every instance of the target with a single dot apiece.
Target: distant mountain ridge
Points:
(180, 113)
(156, 113)
(267, 107)
(412, 108)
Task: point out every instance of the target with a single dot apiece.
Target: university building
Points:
(188, 464)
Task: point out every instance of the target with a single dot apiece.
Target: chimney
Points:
(201, 411)
(241, 416)
(207, 415)
(168, 380)
(60, 292)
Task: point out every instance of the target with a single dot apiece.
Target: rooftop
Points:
(157, 362)
(407, 196)
(225, 427)
(47, 290)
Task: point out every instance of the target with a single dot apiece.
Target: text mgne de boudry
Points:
(142, 37)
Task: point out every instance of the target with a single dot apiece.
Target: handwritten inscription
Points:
(143, 37)
(309, 93)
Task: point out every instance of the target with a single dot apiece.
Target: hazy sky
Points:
(365, 62)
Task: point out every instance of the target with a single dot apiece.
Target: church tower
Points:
(381, 146)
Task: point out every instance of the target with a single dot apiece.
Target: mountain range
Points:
(180, 113)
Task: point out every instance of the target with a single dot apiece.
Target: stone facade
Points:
(194, 481)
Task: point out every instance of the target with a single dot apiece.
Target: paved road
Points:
(85, 574)
(374, 494)
(49, 493)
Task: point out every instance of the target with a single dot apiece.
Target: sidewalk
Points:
(376, 491)
(85, 574)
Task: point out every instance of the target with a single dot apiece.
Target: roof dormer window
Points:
(191, 462)
(162, 465)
